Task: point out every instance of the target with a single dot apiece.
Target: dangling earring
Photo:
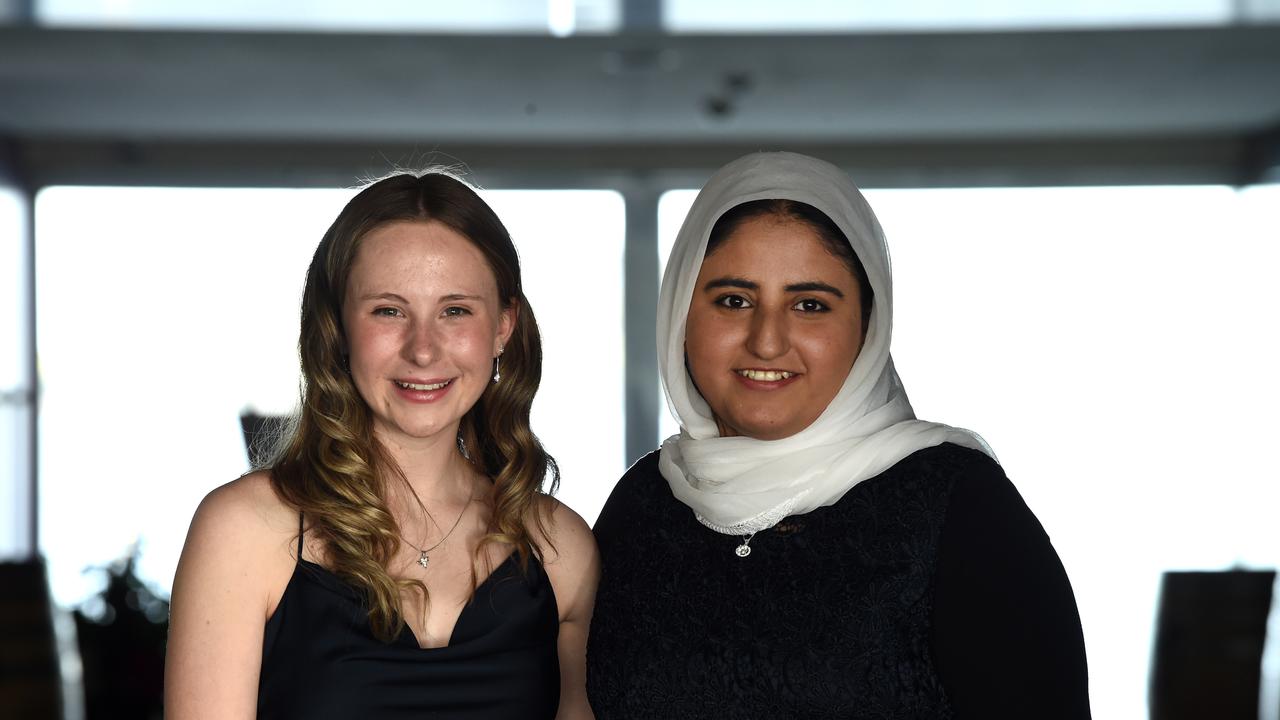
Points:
(496, 362)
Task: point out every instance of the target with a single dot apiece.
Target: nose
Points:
(768, 338)
(420, 344)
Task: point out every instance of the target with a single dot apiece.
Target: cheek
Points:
(368, 344)
(707, 345)
(831, 352)
(475, 342)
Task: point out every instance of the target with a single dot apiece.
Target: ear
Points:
(506, 324)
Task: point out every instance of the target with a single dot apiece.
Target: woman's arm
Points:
(1006, 631)
(233, 570)
(574, 570)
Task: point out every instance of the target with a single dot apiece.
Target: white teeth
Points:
(765, 375)
(416, 386)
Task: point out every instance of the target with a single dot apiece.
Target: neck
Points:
(434, 468)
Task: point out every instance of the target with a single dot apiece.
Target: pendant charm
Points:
(742, 550)
(422, 559)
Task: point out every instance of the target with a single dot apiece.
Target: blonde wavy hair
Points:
(330, 466)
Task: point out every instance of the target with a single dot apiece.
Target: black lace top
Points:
(929, 591)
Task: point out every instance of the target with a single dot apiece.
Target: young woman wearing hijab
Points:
(398, 558)
(805, 547)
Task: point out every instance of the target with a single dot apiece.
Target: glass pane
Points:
(558, 17)
(1117, 356)
(830, 16)
(571, 254)
(15, 386)
(165, 313)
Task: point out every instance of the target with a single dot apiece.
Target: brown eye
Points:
(733, 302)
(809, 305)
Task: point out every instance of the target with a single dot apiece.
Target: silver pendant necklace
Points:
(423, 557)
(744, 549)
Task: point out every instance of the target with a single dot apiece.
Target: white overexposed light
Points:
(561, 17)
(826, 16)
(398, 16)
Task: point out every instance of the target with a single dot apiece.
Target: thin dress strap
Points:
(300, 531)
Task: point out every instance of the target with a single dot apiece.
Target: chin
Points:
(765, 429)
(417, 430)
(772, 434)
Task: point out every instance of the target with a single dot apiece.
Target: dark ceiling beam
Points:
(1148, 160)
(637, 88)
(939, 109)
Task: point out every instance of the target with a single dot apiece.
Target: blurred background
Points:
(1081, 200)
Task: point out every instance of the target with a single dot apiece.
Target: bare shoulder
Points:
(569, 556)
(245, 510)
(564, 532)
(246, 526)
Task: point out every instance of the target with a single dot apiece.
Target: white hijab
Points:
(740, 485)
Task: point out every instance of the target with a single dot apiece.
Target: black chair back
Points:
(30, 682)
(1210, 635)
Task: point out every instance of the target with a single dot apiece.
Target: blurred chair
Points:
(1210, 634)
(30, 686)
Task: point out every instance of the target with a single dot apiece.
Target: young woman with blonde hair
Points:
(398, 557)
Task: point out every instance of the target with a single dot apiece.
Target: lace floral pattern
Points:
(829, 616)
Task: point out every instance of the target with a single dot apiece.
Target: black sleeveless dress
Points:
(320, 659)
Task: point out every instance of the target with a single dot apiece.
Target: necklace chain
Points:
(423, 558)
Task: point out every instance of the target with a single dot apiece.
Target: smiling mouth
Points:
(766, 375)
(422, 386)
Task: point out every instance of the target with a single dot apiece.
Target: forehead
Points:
(425, 255)
(772, 247)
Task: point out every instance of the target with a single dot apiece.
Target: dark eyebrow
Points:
(814, 287)
(734, 282)
(730, 282)
(459, 296)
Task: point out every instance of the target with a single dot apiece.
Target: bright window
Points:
(557, 17)
(825, 16)
(164, 313)
(1116, 347)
